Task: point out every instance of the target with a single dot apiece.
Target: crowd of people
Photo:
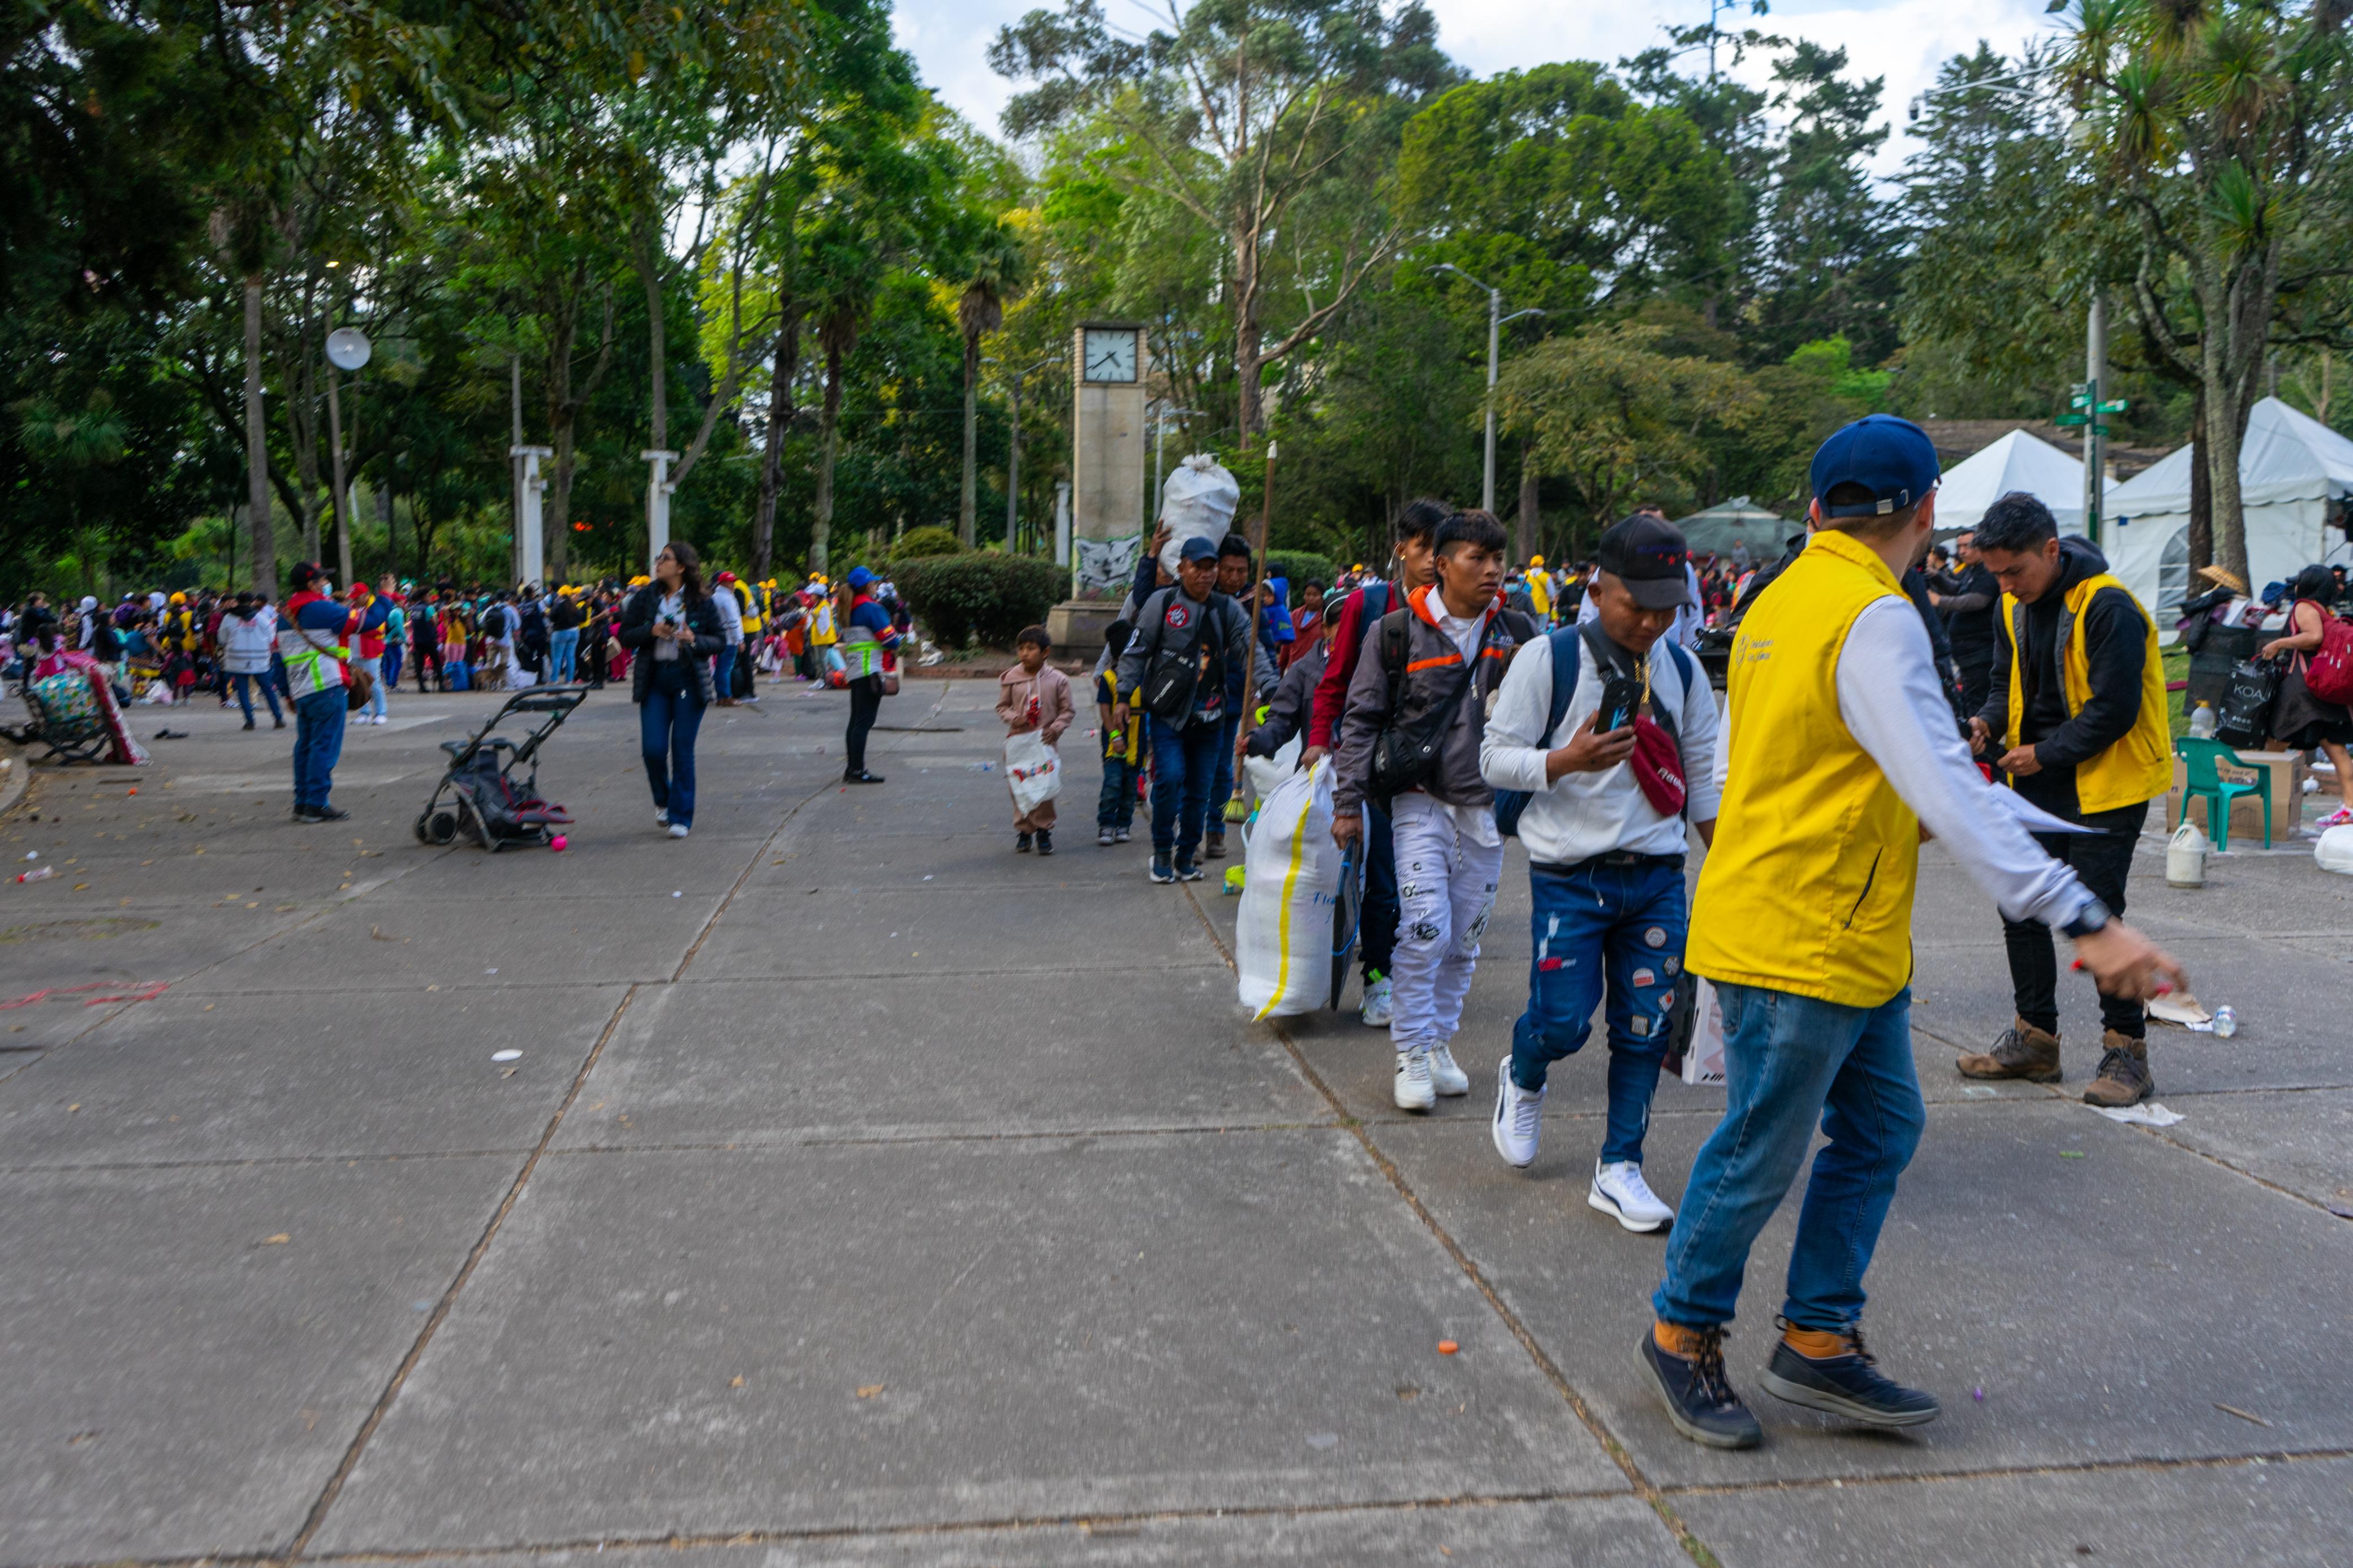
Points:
(1878, 693)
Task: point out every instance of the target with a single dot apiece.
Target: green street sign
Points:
(2119, 406)
(2072, 419)
(2080, 400)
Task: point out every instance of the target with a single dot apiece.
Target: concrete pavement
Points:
(867, 1193)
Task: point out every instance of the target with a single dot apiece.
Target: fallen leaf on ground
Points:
(870, 1390)
(281, 1239)
(735, 1382)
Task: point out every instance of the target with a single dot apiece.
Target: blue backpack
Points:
(1565, 649)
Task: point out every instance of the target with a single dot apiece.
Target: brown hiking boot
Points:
(2124, 1078)
(2023, 1051)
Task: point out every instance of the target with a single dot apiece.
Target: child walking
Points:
(1034, 695)
(1121, 745)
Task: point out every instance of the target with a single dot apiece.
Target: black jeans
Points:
(865, 707)
(429, 653)
(2103, 860)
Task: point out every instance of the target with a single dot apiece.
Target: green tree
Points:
(994, 269)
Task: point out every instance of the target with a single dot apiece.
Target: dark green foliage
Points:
(928, 540)
(981, 596)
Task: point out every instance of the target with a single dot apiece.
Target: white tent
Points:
(2294, 474)
(2017, 462)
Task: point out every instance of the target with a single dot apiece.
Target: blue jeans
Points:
(1789, 1060)
(562, 654)
(318, 743)
(1624, 923)
(379, 705)
(389, 664)
(1115, 805)
(1221, 781)
(666, 729)
(245, 684)
(1183, 763)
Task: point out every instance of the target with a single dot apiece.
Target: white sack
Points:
(1197, 502)
(1290, 896)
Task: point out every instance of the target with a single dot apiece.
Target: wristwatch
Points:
(2093, 915)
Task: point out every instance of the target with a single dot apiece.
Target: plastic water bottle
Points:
(2226, 1021)
(40, 875)
(2201, 722)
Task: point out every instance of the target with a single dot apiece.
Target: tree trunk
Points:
(1249, 413)
(967, 484)
(829, 426)
(301, 433)
(655, 336)
(783, 365)
(2201, 493)
(384, 518)
(1531, 523)
(262, 540)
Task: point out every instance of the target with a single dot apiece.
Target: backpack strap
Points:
(1565, 647)
(1393, 634)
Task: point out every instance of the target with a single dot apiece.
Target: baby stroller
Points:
(492, 785)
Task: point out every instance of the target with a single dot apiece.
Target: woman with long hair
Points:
(2301, 722)
(672, 629)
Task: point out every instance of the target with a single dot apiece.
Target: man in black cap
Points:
(1603, 826)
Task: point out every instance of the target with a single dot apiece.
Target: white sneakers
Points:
(1518, 1116)
(678, 830)
(1619, 1192)
(1412, 1090)
(1376, 1010)
(1444, 1076)
(661, 816)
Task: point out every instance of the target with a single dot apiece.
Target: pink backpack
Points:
(2328, 669)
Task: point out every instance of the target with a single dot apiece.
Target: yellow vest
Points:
(2140, 766)
(748, 601)
(1809, 887)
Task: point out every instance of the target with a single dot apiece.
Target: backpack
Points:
(1568, 643)
(1171, 680)
(1404, 758)
(2329, 668)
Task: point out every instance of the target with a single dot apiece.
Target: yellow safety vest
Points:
(2136, 768)
(749, 598)
(821, 623)
(1809, 887)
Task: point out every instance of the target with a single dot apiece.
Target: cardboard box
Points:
(2287, 770)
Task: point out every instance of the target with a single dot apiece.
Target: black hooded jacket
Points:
(2116, 647)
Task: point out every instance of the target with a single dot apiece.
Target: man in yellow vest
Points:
(1841, 755)
(2076, 713)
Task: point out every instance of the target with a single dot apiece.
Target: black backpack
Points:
(1172, 678)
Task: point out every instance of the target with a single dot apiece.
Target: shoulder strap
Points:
(1394, 634)
(1564, 649)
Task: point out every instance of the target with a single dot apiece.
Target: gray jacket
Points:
(1434, 669)
(1166, 626)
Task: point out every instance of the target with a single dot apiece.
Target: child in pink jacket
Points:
(1034, 695)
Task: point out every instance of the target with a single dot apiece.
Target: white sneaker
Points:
(678, 830)
(1444, 1076)
(1519, 1116)
(1619, 1192)
(661, 816)
(1412, 1089)
(1376, 1010)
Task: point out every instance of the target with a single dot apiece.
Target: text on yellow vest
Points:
(2139, 766)
(1809, 887)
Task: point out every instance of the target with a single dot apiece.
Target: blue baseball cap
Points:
(1200, 547)
(1891, 457)
(859, 576)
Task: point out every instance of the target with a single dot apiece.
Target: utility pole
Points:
(1495, 319)
(2085, 408)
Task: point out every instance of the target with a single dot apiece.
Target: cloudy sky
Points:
(1903, 41)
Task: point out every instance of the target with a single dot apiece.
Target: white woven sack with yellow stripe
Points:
(1291, 889)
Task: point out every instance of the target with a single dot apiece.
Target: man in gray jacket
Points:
(1187, 628)
(1427, 670)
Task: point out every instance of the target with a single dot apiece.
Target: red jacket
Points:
(1347, 645)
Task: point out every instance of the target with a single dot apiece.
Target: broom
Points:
(1235, 810)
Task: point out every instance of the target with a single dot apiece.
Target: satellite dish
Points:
(347, 348)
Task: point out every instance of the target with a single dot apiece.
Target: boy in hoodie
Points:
(1429, 669)
(2076, 713)
(1034, 695)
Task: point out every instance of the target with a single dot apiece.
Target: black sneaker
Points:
(1022, 844)
(1119, 836)
(1215, 848)
(1699, 1397)
(860, 775)
(1849, 1385)
(1103, 837)
(1187, 871)
(329, 814)
(1161, 870)
(1045, 841)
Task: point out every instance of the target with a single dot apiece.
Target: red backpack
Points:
(2328, 669)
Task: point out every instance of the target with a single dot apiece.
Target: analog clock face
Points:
(1109, 354)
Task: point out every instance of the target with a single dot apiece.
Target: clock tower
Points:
(1111, 362)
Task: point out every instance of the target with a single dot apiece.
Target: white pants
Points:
(1446, 893)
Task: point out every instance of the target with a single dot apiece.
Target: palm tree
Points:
(998, 270)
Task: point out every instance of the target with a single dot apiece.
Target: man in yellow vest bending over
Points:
(2076, 716)
(1841, 754)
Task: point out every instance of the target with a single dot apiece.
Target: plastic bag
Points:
(1266, 774)
(1704, 1057)
(1197, 501)
(1033, 770)
(2334, 850)
(1282, 937)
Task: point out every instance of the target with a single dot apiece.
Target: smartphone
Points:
(1622, 698)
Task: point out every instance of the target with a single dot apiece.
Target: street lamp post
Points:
(1495, 319)
(1013, 454)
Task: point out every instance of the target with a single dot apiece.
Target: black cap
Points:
(1648, 554)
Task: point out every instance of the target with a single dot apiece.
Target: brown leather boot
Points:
(2023, 1051)
(2124, 1078)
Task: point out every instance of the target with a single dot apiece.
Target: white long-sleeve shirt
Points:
(1580, 815)
(1895, 708)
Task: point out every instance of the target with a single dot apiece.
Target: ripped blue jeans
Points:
(1596, 921)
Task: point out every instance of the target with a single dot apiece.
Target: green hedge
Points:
(981, 596)
(919, 543)
(1302, 567)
